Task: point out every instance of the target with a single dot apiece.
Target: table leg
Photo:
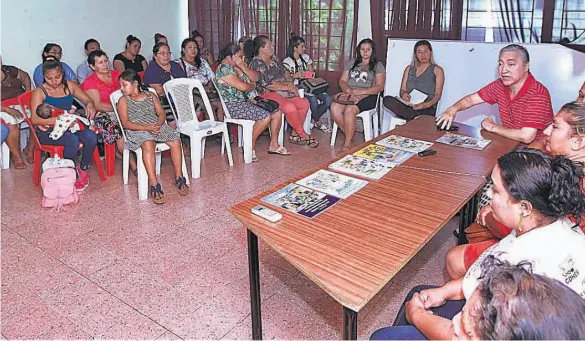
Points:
(254, 268)
(350, 321)
(466, 217)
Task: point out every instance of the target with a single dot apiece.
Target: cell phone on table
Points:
(309, 74)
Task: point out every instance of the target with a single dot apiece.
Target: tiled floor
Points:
(117, 268)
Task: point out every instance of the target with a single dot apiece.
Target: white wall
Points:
(364, 24)
(469, 66)
(27, 25)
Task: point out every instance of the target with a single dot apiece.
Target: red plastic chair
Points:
(141, 74)
(10, 102)
(24, 101)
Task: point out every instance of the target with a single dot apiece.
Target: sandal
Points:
(254, 156)
(296, 139)
(312, 143)
(324, 128)
(182, 186)
(279, 151)
(156, 194)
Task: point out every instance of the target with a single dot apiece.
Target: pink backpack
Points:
(59, 187)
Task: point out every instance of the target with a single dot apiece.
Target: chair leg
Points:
(281, 132)
(367, 120)
(142, 177)
(37, 166)
(307, 123)
(223, 142)
(110, 151)
(184, 168)
(226, 141)
(376, 121)
(5, 156)
(203, 147)
(240, 137)
(98, 163)
(158, 160)
(333, 134)
(196, 146)
(247, 137)
(126, 165)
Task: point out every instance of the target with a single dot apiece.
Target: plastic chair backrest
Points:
(141, 74)
(226, 112)
(114, 99)
(11, 102)
(181, 91)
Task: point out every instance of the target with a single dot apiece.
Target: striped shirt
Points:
(530, 108)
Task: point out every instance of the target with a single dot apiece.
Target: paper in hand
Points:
(417, 97)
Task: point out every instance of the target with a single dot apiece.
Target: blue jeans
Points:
(402, 330)
(70, 143)
(4, 133)
(317, 110)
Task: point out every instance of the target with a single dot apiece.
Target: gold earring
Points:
(520, 224)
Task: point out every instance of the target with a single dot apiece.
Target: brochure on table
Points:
(404, 143)
(301, 200)
(384, 154)
(360, 166)
(463, 141)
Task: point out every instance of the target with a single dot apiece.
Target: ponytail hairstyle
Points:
(48, 47)
(249, 50)
(130, 39)
(132, 76)
(373, 59)
(259, 42)
(195, 34)
(228, 51)
(54, 64)
(575, 116)
(295, 41)
(158, 37)
(184, 44)
(553, 185)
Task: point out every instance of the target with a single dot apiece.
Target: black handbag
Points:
(266, 104)
(314, 85)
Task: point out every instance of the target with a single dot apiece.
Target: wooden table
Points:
(355, 248)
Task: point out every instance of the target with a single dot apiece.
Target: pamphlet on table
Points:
(331, 183)
(360, 166)
(384, 154)
(404, 143)
(463, 141)
(301, 200)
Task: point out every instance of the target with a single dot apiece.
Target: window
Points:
(438, 19)
(327, 26)
(569, 21)
(217, 21)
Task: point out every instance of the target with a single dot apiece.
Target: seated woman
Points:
(59, 93)
(363, 76)
(160, 38)
(15, 82)
(197, 68)
(204, 52)
(53, 50)
(131, 57)
(507, 305)
(160, 71)
(272, 84)
(536, 194)
(563, 137)
(142, 116)
(422, 75)
(234, 85)
(99, 85)
(297, 64)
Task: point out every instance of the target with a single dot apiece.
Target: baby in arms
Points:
(68, 121)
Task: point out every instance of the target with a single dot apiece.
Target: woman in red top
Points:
(99, 86)
(565, 136)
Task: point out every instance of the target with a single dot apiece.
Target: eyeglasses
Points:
(164, 53)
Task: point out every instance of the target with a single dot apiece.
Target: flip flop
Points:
(279, 151)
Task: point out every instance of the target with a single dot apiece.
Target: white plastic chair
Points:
(5, 156)
(160, 147)
(371, 122)
(181, 91)
(245, 128)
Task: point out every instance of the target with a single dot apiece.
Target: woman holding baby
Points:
(424, 76)
(59, 93)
